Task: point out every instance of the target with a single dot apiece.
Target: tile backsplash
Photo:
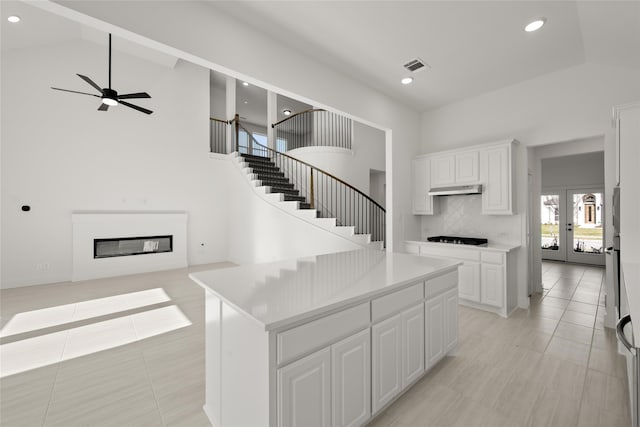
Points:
(461, 216)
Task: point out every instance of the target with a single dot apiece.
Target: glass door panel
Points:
(552, 227)
(585, 226)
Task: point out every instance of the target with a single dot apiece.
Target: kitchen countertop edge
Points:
(492, 247)
(319, 312)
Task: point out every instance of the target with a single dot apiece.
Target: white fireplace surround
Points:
(88, 226)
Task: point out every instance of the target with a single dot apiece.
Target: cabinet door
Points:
(496, 175)
(492, 285)
(434, 326)
(351, 380)
(387, 360)
(412, 344)
(467, 168)
(304, 391)
(450, 320)
(469, 281)
(443, 170)
(422, 202)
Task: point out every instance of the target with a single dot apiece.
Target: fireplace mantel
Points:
(91, 225)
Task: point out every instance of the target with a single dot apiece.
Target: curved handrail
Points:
(296, 114)
(308, 164)
(226, 122)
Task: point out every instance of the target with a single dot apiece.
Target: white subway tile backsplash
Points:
(461, 216)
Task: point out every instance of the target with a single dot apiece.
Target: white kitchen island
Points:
(329, 340)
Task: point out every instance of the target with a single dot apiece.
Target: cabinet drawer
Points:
(440, 284)
(449, 251)
(493, 257)
(389, 304)
(322, 332)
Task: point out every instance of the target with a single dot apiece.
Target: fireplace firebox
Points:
(128, 246)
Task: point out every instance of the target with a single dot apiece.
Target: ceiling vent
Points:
(415, 65)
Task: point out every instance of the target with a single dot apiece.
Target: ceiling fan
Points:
(110, 97)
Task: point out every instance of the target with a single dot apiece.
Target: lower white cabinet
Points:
(469, 281)
(304, 391)
(331, 387)
(398, 354)
(492, 284)
(412, 344)
(386, 338)
(441, 323)
(351, 380)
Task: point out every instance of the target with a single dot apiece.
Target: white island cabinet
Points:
(329, 340)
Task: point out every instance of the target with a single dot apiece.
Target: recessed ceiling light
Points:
(406, 80)
(246, 102)
(245, 84)
(13, 19)
(286, 112)
(535, 25)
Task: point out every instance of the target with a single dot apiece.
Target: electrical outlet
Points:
(39, 266)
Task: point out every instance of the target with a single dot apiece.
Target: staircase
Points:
(270, 175)
(267, 178)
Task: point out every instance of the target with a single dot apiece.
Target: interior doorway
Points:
(572, 225)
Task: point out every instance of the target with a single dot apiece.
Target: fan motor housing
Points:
(110, 93)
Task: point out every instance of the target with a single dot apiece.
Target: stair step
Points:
(304, 205)
(265, 169)
(289, 198)
(274, 173)
(290, 191)
(282, 186)
(273, 180)
(254, 158)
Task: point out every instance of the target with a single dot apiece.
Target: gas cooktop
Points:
(459, 240)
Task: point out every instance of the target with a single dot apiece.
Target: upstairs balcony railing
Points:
(218, 135)
(315, 127)
(326, 193)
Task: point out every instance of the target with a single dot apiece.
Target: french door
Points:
(571, 225)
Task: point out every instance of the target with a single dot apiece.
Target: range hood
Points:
(458, 189)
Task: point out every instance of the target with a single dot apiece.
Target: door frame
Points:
(577, 257)
(565, 237)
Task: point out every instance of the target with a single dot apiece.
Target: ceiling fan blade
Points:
(134, 95)
(103, 107)
(75, 91)
(135, 107)
(91, 82)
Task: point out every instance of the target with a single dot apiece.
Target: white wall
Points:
(567, 105)
(573, 171)
(260, 231)
(200, 32)
(60, 155)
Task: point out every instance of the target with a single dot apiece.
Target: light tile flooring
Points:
(129, 351)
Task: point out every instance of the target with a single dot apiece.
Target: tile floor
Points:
(129, 351)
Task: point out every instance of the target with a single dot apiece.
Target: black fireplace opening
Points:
(128, 246)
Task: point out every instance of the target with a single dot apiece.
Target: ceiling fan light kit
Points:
(109, 96)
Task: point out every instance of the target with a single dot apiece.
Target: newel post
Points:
(312, 197)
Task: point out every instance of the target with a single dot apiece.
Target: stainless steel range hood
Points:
(458, 189)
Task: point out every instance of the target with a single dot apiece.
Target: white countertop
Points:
(492, 247)
(280, 293)
(631, 274)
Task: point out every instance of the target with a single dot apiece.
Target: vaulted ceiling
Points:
(472, 47)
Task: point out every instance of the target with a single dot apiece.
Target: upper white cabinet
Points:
(628, 146)
(467, 170)
(454, 169)
(495, 166)
(443, 170)
(489, 165)
(423, 204)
